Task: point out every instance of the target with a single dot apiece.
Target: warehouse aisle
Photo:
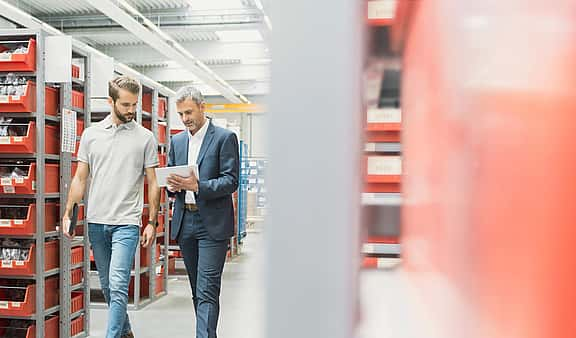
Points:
(382, 297)
(172, 316)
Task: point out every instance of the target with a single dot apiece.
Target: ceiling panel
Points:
(53, 7)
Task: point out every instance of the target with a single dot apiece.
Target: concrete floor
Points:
(241, 303)
(242, 310)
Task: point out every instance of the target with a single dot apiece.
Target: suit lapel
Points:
(206, 143)
(186, 140)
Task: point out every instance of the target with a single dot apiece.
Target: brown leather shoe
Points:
(128, 335)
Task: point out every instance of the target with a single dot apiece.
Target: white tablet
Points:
(184, 171)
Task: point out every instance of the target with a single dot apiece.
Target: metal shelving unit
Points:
(66, 245)
(40, 197)
(252, 175)
(382, 198)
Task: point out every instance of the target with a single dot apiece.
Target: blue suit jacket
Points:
(219, 170)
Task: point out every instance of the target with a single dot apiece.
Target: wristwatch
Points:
(154, 223)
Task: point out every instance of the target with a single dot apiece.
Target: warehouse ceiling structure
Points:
(218, 45)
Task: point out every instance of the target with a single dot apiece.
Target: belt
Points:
(190, 207)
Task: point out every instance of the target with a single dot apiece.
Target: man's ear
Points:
(110, 101)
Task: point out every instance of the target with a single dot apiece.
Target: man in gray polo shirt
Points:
(115, 153)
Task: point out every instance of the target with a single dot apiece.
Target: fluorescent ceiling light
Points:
(256, 61)
(381, 9)
(239, 36)
(200, 5)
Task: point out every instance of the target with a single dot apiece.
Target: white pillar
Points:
(314, 172)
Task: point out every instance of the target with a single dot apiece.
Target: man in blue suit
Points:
(203, 218)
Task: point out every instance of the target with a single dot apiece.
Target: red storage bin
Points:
(77, 99)
(26, 144)
(26, 306)
(19, 62)
(28, 267)
(160, 282)
(161, 134)
(77, 255)
(144, 260)
(76, 276)
(145, 284)
(163, 159)
(161, 222)
(383, 169)
(27, 185)
(79, 127)
(147, 102)
(383, 173)
(77, 302)
(161, 131)
(81, 212)
(75, 72)
(147, 124)
(171, 265)
(51, 329)
(383, 125)
(382, 136)
(162, 107)
(27, 103)
(27, 225)
(77, 326)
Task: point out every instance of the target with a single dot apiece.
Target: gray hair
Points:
(189, 92)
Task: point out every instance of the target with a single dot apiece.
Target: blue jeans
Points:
(204, 259)
(114, 247)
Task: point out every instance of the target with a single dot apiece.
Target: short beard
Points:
(120, 116)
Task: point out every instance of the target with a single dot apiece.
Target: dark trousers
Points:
(204, 259)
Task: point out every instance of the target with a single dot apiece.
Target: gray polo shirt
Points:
(117, 156)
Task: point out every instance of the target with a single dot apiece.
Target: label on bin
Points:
(9, 190)
(6, 263)
(16, 304)
(18, 139)
(4, 98)
(5, 56)
(18, 222)
(384, 115)
(6, 181)
(20, 263)
(3, 305)
(5, 140)
(384, 165)
(19, 180)
(15, 97)
(33, 185)
(5, 222)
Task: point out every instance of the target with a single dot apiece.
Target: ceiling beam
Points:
(158, 40)
(104, 31)
(230, 73)
(205, 50)
(180, 16)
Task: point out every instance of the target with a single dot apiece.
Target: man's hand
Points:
(66, 226)
(179, 183)
(148, 236)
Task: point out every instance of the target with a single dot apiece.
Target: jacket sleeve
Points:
(227, 181)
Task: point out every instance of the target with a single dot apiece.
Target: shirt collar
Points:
(108, 123)
(201, 133)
